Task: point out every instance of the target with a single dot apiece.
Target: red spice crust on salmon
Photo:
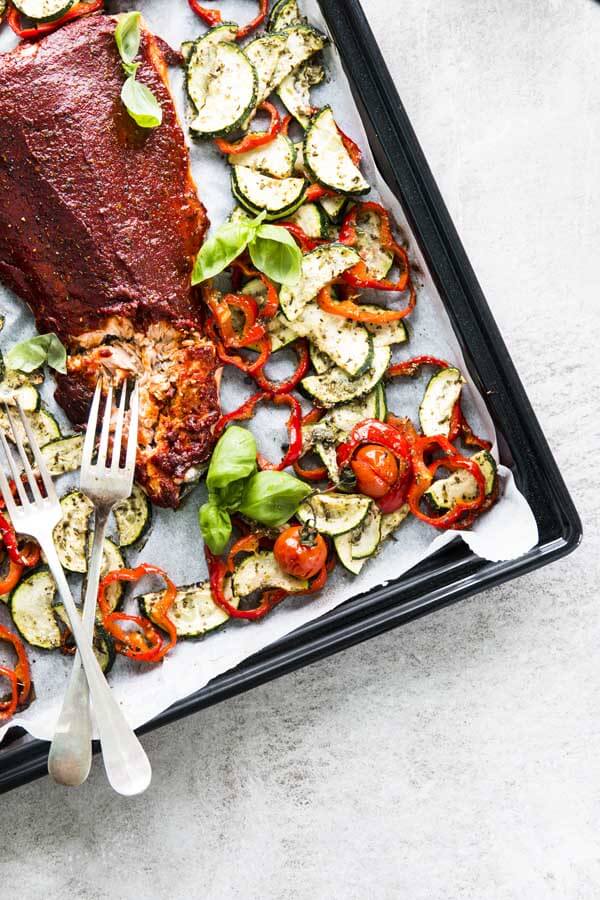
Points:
(100, 223)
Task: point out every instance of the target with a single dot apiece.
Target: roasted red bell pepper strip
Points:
(294, 427)
(34, 33)
(220, 307)
(217, 572)
(424, 475)
(315, 192)
(12, 577)
(460, 426)
(410, 367)
(306, 242)
(255, 139)
(256, 22)
(348, 309)
(21, 682)
(372, 431)
(241, 414)
(270, 304)
(249, 368)
(284, 387)
(147, 644)
(212, 17)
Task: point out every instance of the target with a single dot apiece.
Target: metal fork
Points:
(126, 763)
(105, 484)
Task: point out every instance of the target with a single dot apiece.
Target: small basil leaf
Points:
(275, 252)
(215, 526)
(30, 355)
(127, 36)
(141, 104)
(272, 498)
(234, 458)
(220, 250)
(229, 497)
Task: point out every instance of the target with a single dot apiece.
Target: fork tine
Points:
(41, 463)
(32, 481)
(103, 448)
(14, 471)
(132, 437)
(4, 485)
(92, 425)
(118, 434)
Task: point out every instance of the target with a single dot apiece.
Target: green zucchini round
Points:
(43, 10)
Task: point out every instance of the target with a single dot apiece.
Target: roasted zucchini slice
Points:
(334, 513)
(71, 533)
(194, 613)
(261, 571)
(320, 361)
(311, 218)
(43, 10)
(439, 400)
(387, 334)
(391, 521)
(103, 644)
(461, 485)
(284, 14)
(201, 58)
(133, 517)
(301, 42)
(377, 259)
(31, 610)
(334, 206)
(231, 86)
(63, 455)
(275, 158)
(18, 386)
(319, 268)
(264, 53)
(335, 386)
(326, 157)
(294, 91)
(347, 343)
(279, 197)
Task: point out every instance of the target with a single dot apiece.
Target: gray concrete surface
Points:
(457, 757)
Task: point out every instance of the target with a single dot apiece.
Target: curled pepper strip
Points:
(372, 431)
(358, 276)
(212, 17)
(34, 33)
(306, 242)
(249, 368)
(284, 387)
(424, 475)
(221, 309)
(218, 570)
(348, 309)
(19, 677)
(270, 304)
(294, 428)
(147, 644)
(255, 139)
(294, 425)
(410, 367)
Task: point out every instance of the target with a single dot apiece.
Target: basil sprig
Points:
(234, 485)
(33, 353)
(140, 102)
(272, 249)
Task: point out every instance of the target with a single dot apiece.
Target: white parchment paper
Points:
(505, 532)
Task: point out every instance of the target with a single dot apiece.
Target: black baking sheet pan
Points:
(454, 573)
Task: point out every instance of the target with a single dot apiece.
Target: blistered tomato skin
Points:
(376, 470)
(300, 554)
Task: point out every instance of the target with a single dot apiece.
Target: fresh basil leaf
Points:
(220, 250)
(272, 498)
(215, 526)
(30, 355)
(224, 246)
(229, 497)
(127, 36)
(275, 252)
(141, 104)
(234, 458)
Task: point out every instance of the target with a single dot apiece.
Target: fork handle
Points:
(70, 756)
(127, 766)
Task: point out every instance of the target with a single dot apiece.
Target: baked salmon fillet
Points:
(100, 223)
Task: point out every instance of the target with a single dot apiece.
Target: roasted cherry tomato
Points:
(300, 551)
(376, 470)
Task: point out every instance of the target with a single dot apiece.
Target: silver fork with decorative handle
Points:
(36, 514)
(105, 483)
